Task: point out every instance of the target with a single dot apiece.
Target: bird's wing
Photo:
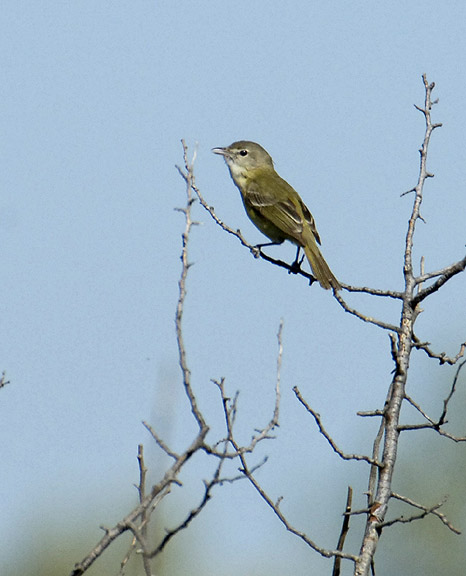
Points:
(281, 204)
(310, 220)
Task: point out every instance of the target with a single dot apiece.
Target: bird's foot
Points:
(295, 268)
(256, 251)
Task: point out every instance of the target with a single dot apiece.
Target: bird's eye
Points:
(243, 153)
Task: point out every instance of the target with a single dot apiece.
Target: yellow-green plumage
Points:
(274, 206)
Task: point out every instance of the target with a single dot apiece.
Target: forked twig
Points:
(426, 511)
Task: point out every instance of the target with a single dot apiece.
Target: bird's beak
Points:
(221, 151)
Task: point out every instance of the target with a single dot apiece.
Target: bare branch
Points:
(208, 486)
(344, 531)
(450, 395)
(427, 276)
(384, 450)
(423, 175)
(371, 489)
(159, 441)
(230, 407)
(440, 431)
(141, 513)
(432, 424)
(426, 510)
(275, 506)
(229, 411)
(158, 491)
(442, 357)
(446, 274)
(188, 176)
(361, 316)
(369, 413)
(145, 516)
(419, 409)
(373, 291)
(390, 424)
(327, 436)
(127, 556)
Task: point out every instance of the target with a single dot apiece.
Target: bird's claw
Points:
(295, 268)
(255, 251)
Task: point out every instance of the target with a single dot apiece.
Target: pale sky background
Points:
(96, 96)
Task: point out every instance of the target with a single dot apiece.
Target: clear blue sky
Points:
(95, 99)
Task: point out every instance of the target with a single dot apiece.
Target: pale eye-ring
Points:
(243, 153)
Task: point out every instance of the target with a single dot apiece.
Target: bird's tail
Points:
(320, 267)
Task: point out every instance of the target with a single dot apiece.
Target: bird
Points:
(275, 207)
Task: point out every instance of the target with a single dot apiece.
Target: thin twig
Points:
(326, 435)
(142, 512)
(145, 515)
(159, 441)
(371, 488)
(447, 274)
(423, 175)
(188, 176)
(127, 556)
(442, 357)
(275, 506)
(229, 408)
(432, 424)
(344, 531)
(439, 431)
(369, 413)
(276, 411)
(229, 411)
(427, 510)
(369, 319)
(208, 487)
(418, 408)
(450, 395)
(427, 276)
(373, 291)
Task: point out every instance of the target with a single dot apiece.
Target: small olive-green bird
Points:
(274, 206)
